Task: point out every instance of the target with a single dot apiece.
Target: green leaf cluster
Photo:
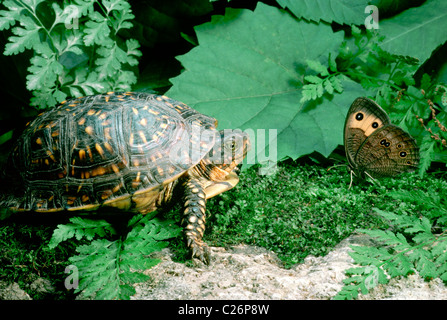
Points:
(76, 47)
(412, 244)
(323, 81)
(287, 69)
(252, 63)
(108, 266)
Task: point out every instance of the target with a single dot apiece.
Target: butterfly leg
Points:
(374, 180)
(350, 184)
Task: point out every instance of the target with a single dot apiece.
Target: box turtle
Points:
(129, 151)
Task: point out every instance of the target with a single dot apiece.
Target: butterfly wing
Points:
(363, 119)
(387, 152)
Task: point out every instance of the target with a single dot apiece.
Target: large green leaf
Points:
(341, 11)
(416, 32)
(248, 72)
(392, 7)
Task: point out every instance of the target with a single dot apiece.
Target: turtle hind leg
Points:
(194, 208)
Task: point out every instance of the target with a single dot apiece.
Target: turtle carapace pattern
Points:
(128, 151)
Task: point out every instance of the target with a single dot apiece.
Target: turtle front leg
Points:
(194, 219)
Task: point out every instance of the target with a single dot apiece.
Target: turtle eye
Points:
(231, 145)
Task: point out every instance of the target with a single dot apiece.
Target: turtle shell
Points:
(115, 149)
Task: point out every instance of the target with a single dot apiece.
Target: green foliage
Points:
(252, 64)
(5, 137)
(108, 267)
(283, 78)
(362, 60)
(323, 81)
(80, 228)
(432, 203)
(340, 11)
(411, 26)
(411, 244)
(76, 49)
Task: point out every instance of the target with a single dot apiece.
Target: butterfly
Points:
(374, 146)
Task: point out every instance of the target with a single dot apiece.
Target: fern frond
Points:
(80, 228)
(318, 67)
(361, 280)
(61, 46)
(409, 246)
(109, 268)
(399, 265)
(98, 265)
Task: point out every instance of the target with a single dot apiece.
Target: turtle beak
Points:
(216, 188)
(232, 179)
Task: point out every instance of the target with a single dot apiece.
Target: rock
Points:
(412, 287)
(12, 292)
(41, 285)
(247, 272)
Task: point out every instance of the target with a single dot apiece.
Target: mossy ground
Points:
(299, 210)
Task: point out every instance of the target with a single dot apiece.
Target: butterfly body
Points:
(373, 145)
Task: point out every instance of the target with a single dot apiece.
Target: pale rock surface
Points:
(247, 272)
(12, 292)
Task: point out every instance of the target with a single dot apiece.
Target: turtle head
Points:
(229, 150)
(220, 165)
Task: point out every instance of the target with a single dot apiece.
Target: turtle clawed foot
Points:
(199, 250)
